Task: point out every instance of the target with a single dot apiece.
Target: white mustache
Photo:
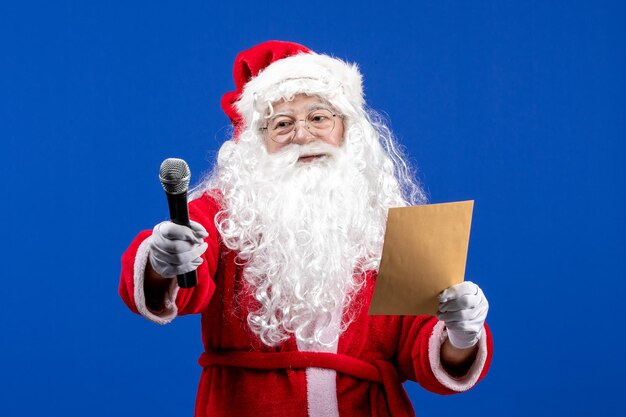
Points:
(319, 148)
(295, 151)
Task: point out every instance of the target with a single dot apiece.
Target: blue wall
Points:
(517, 105)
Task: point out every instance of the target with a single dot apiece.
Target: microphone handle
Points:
(179, 214)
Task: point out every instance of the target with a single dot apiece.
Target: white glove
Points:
(177, 249)
(463, 307)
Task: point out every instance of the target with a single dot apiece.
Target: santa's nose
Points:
(302, 134)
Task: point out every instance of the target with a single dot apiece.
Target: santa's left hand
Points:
(463, 307)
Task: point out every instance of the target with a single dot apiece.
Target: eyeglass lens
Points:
(318, 123)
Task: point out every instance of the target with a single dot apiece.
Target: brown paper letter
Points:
(425, 251)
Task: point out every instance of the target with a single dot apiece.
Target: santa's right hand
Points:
(177, 249)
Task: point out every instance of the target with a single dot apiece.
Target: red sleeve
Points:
(187, 300)
(419, 356)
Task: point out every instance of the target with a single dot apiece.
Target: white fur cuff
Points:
(171, 311)
(434, 353)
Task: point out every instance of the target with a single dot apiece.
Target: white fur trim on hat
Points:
(305, 73)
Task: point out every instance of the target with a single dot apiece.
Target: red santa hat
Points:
(277, 70)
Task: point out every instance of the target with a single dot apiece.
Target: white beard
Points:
(306, 232)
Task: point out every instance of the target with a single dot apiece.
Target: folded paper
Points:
(425, 252)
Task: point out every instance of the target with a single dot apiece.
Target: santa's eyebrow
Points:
(282, 113)
(318, 106)
(290, 112)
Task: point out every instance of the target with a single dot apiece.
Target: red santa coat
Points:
(360, 375)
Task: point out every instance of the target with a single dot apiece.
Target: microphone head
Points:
(174, 176)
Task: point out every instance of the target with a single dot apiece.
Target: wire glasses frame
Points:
(319, 123)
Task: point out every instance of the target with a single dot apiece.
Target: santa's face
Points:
(301, 115)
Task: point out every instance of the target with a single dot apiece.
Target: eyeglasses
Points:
(282, 128)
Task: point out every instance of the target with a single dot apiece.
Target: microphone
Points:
(174, 176)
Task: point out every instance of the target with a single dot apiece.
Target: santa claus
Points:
(286, 238)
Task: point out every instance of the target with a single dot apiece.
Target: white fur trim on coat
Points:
(321, 384)
(434, 353)
(307, 73)
(170, 311)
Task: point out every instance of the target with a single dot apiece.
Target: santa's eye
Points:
(282, 123)
(318, 118)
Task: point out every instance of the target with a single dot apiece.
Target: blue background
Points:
(517, 105)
